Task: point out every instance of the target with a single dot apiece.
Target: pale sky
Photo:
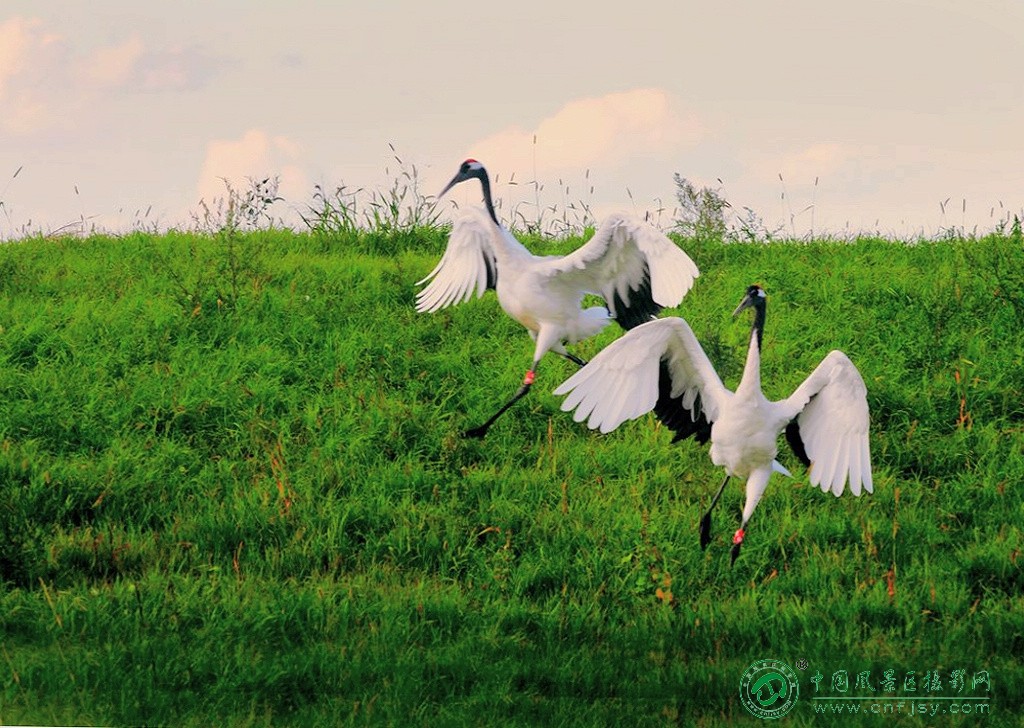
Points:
(117, 107)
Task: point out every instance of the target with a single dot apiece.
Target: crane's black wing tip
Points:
(796, 443)
(641, 307)
(492, 271)
(670, 412)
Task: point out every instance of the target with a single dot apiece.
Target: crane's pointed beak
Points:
(747, 302)
(460, 177)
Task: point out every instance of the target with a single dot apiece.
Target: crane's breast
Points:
(743, 439)
(532, 300)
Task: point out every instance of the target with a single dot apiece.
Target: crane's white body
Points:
(830, 407)
(545, 293)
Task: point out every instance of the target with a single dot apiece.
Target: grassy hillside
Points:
(234, 492)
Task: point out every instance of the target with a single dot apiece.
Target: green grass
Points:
(234, 491)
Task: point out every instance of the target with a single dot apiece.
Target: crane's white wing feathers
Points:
(624, 251)
(467, 266)
(831, 410)
(621, 382)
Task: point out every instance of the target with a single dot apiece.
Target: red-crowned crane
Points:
(661, 366)
(634, 267)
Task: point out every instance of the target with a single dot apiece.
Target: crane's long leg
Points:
(757, 481)
(705, 522)
(480, 431)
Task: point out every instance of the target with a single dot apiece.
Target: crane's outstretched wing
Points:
(830, 429)
(636, 269)
(467, 266)
(625, 379)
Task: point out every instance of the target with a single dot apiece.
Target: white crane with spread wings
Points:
(661, 366)
(634, 267)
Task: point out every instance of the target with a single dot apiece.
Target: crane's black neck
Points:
(759, 316)
(485, 183)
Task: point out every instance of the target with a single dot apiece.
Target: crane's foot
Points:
(476, 432)
(575, 359)
(705, 530)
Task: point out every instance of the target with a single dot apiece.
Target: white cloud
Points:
(134, 67)
(19, 39)
(892, 188)
(254, 155)
(590, 154)
(803, 166)
(604, 132)
(47, 82)
(114, 65)
(27, 55)
(179, 68)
